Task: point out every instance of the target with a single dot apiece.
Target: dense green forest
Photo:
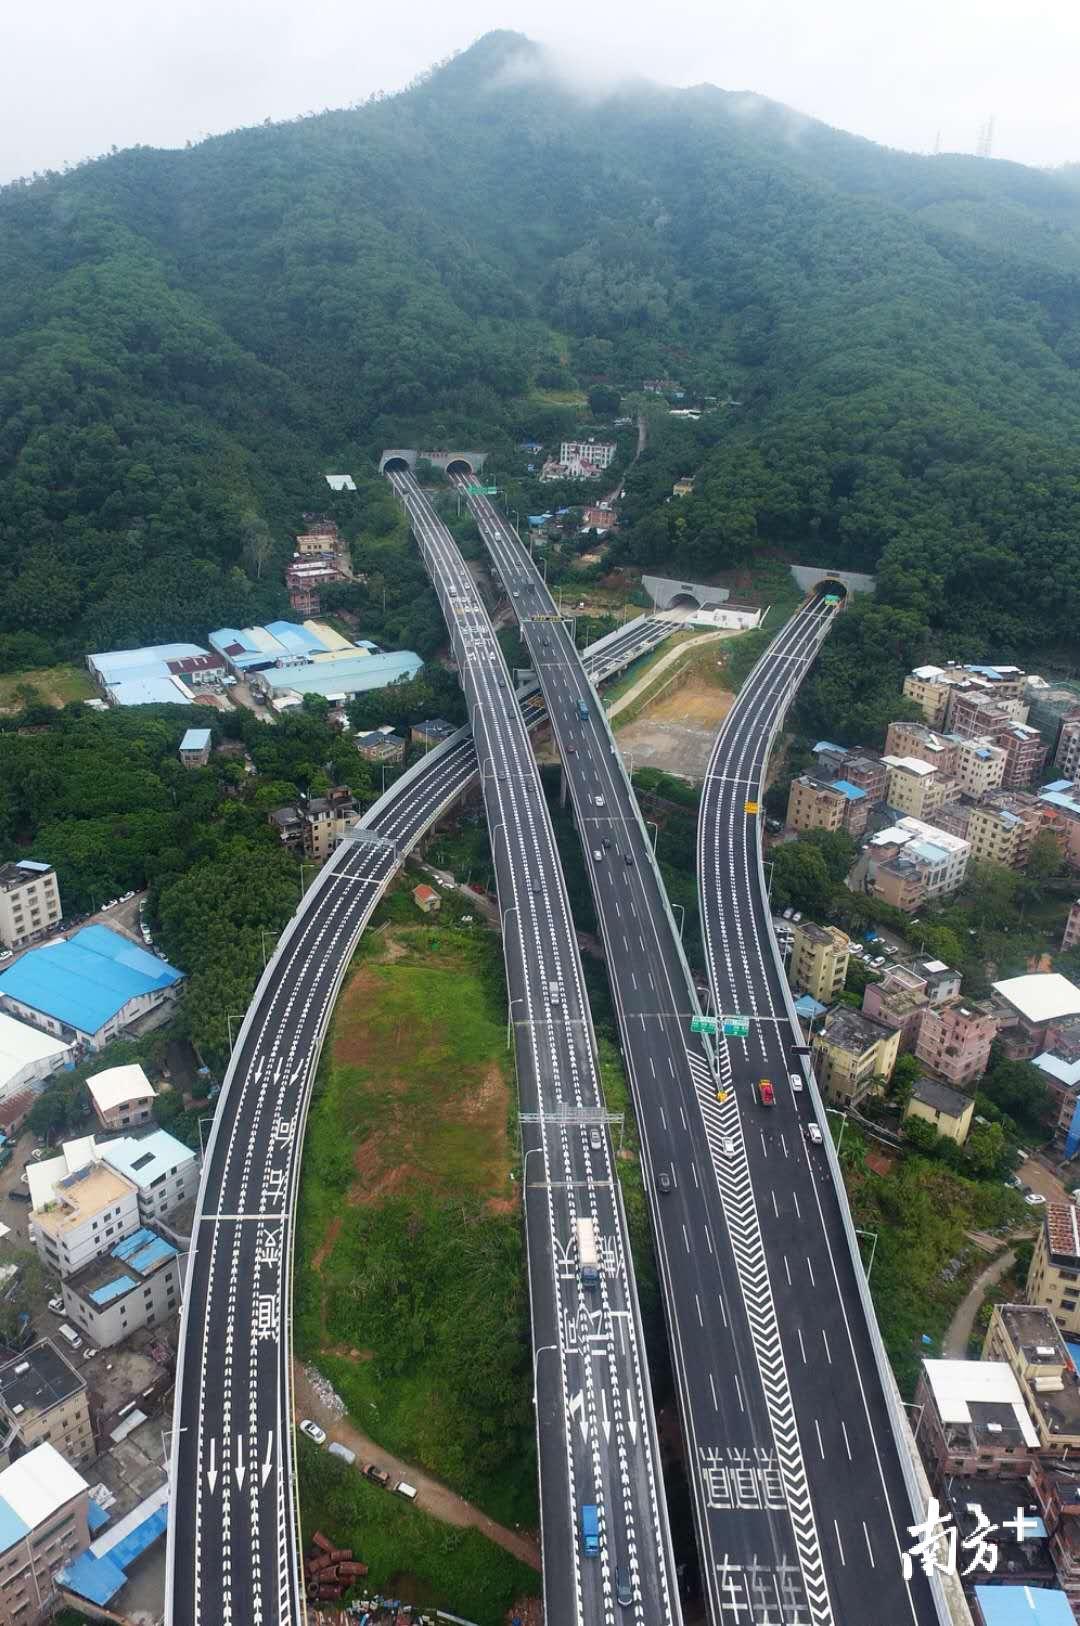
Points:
(889, 344)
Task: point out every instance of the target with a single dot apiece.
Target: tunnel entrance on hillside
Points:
(459, 466)
(684, 601)
(395, 465)
(830, 589)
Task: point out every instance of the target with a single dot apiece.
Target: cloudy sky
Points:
(80, 76)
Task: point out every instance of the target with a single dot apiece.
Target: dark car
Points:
(663, 1183)
(629, 858)
(606, 843)
(624, 1590)
(20, 1196)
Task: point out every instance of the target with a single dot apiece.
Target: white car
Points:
(313, 1431)
(727, 1145)
(1035, 1199)
(796, 1081)
(813, 1133)
(56, 1306)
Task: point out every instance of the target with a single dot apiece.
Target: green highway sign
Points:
(703, 1024)
(482, 491)
(736, 1027)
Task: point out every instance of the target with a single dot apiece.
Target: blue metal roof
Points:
(143, 1536)
(12, 1528)
(112, 1290)
(144, 1250)
(827, 745)
(143, 1160)
(85, 979)
(298, 640)
(148, 691)
(846, 788)
(96, 1516)
(96, 1579)
(348, 674)
(116, 665)
(196, 739)
(1024, 1606)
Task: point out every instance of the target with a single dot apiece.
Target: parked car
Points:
(56, 1306)
(313, 1431)
(377, 1475)
(1035, 1199)
(727, 1145)
(335, 1449)
(20, 1197)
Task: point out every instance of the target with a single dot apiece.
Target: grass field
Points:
(411, 1296)
(52, 686)
(567, 398)
(409, 1555)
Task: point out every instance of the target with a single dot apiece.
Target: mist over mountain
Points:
(189, 338)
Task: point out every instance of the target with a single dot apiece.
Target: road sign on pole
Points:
(752, 807)
(703, 1024)
(481, 491)
(736, 1027)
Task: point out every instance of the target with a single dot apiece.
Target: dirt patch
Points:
(880, 1161)
(694, 702)
(333, 1231)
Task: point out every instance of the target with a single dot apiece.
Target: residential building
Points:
(954, 1040)
(942, 858)
(897, 881)
(164, 1172)
(597, 453)
(123, 1097)
(195, 747)
(946, 1110)
(304, 580)
(853, 1054)
(1065, 800)
(1071, 935)
(974, 714)
(897, 1001)
(1025, 754)
(1030, 1006)
(427, 899)
(29, 902)
(819, 961)
(867, 772)
(954, 818)
(599, 517)
(1057, 1493)
(1028, 1338)
(27, 1057)
(1067, 753)
(1024, 1560)
(906, 739)
(1050, 705)
(138, 1283)
(683, 487)
(44, 1398)
(575, 470)
(80, 1207)
(929, 687)
(434, 732)
(913, 787)
(973, 1420)
(13, 1112)
(322, 538)
(326, 821)
(1006, 822)
(44, 1523)
(942, 982)
(381, 745)
(820, 804)
(978, 765)
(90, 987)
(1054, 1274)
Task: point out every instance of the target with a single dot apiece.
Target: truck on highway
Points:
(590, 1529)
(588, 1257)
(583, 711)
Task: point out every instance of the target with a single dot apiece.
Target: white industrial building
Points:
(138, 1283)
(27, 1056)
(80, 1206)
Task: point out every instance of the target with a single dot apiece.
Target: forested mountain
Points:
(189, 338)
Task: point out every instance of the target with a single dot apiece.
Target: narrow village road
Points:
(963, 1322)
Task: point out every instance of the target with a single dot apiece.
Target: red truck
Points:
(766, 1093)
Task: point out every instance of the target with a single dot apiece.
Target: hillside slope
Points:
(189, 338)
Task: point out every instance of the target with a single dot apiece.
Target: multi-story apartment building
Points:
(852, 1053)
(819, 961)
(29, 902)
(929, 687)
(1071, 935)
(1003, 825)
(954, 818)
(820, 804)
(1067, 752)
(932, 688)
(898, 881)
(973, 1420)
(1025, 754)
(315, 827)
(867, 773)
(949, 1112)
(597, 452)
(973, 714)
(43, 1398)
(137, 1284)
(1027, 1337)
(164, 1172)
(81, 1207)
(381, 745)
(978, 765)
(943, 857)
(1030, 1007)
(122, 1097)
(1054, 1276)
(954, 1040)
(897, 1001)
(913, 786)
(906, 739)
(942, 982)
(44, 1507)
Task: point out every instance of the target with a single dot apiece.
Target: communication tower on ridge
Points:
(985, 145)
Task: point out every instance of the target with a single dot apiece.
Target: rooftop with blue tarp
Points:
(1012, 1605)
(100, 1572)
(123, 1269)
(144, 1250)
(98, 1580)
(96, 1516)
(86, 979)
(854, 793)
(809, 1009)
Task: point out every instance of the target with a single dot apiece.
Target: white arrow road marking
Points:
(277, 1070)
(296, 1073)
(577, 1405)
(606, 1418)
(256, 1071)
(240, 1469)
(211, 1472)
(631, 1419)
(267, 1464)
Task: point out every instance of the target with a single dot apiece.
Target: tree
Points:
(1018, 1089)
(258, 543)
(604, 401)
(986, 1150)
(905, 1074)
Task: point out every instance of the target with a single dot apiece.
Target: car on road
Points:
(596, 1140)
(796, 1081)
(663, 1183)
(56, 1306)
(336, 1449)
(5, 954)
(766, 1093)
(813, 1134)
(377, 1475)
(606, 843)
(20, 1197)
(1035, 1199)
(629, 858)
(313, 1431)
(597, 855)
(598, 801)
(126, 897)
(624, 1591)
(727, 1145)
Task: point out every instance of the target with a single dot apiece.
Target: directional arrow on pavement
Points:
(577, 1406)
(240, 1469)
(631, 1419)
(211, 1472)
(606, 1419)
(268, 1461)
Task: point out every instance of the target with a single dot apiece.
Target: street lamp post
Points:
(874, 1236)
(228, 1018)
(656, 833)
(536, 1363)
(681, 907)
(843, 1125)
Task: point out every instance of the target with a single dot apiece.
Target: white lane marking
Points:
(847, 1442)
(663, 1118)
(775, 1206)
(712, 1386)
(787, 1270)
(693, 1171)
(686, 1239)
(839, 1543)
(700, 1317)
(828, 1351)
(810, 1268)
(682, 1115)
(802, 1346)
(211, 1472)
(817, 1431)
(723, 1307)
(738, 1391)
(795, 1200)
(870, 1550)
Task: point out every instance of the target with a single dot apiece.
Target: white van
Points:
(334, 1449)
(406, 1490)
(69, 1335)
(796, 1081)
